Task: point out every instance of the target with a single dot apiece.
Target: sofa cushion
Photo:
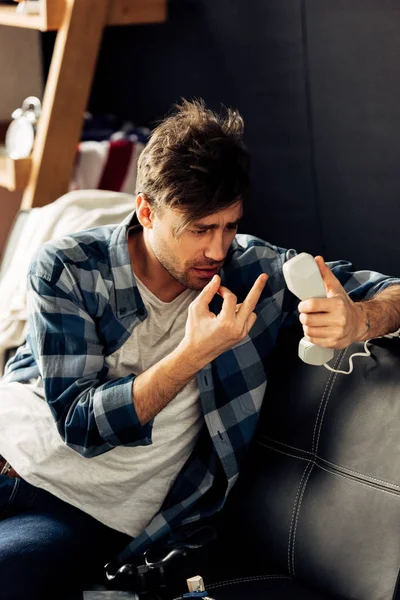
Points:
(321, 494)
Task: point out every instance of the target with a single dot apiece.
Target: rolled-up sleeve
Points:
(360, 285)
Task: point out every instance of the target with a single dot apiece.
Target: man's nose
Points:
(215, 250)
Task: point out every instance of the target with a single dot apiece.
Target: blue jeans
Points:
(48, 549)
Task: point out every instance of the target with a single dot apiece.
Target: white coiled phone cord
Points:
(395, 334)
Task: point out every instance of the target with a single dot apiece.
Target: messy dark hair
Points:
(195, 161)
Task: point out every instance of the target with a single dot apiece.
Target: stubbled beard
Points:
(183, 278)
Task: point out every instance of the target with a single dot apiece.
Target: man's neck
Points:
(149, 270)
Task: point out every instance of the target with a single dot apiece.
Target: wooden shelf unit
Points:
(14, 174)
(120, 12)
(80, 23)
(9, 16)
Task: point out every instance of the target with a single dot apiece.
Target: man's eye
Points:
(199, 231)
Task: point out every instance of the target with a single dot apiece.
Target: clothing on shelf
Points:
(107, 155)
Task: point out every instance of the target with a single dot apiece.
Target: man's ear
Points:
(144, 212)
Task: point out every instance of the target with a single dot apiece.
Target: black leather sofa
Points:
(316, 514)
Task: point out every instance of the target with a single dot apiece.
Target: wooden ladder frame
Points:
(65, 100)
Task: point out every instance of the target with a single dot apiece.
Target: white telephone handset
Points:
(304, 280)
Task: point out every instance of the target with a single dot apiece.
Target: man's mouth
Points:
(206, 272)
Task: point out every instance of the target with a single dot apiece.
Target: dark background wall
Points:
(318, 84)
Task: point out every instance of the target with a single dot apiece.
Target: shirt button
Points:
(123, 310)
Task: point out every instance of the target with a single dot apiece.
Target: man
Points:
(130, 409)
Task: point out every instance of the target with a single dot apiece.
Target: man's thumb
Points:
(332, 284)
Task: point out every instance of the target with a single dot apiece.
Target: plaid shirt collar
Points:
(121, 270)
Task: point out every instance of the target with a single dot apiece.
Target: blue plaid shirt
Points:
(84, 304)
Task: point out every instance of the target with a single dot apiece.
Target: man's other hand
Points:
(335, 321)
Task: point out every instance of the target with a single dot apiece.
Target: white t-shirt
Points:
(125, 487)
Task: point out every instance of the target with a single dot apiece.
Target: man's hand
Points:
(208, 335)
(335, 321)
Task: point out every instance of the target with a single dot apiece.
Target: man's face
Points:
(197, 253)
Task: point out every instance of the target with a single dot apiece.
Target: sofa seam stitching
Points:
(246, 579)
(295, 506)
(297, 517)
(316, 458)
(327, 401)
(365, 484)
(319, 410)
